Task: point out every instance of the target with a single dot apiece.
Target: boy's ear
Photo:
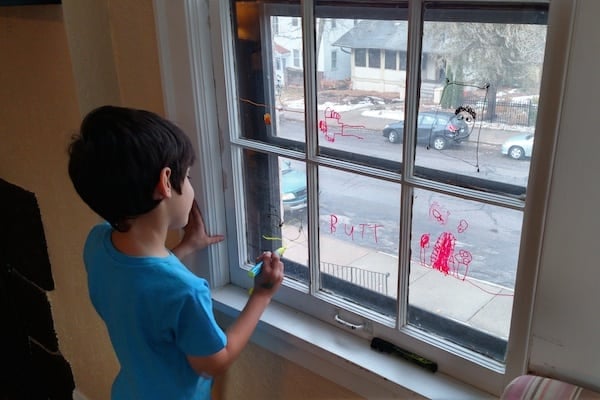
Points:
(163, 187)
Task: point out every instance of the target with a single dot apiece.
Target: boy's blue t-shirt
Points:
(156, 312)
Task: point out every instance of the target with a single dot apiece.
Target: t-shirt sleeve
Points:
(197, 332)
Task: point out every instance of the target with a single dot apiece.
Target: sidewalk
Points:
(483, 306)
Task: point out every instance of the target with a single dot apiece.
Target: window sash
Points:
(413, 175)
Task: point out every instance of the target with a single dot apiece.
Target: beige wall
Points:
(58, 62)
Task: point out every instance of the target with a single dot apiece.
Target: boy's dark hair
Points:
(116, 159)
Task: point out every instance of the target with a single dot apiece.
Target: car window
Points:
(442, 120)
(427, 120)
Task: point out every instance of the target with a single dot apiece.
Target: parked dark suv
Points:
(439, 129)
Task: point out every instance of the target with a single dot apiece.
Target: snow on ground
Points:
(299, 105)
(397, 115)
(388, 114)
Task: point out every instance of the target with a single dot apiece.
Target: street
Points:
(484, 239)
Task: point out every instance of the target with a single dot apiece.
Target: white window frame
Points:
(189, 71)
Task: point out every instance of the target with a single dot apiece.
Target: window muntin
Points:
(415, 182)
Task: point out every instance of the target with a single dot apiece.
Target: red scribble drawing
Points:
(368, 230)
(445, 257)
(424, 244)
(463, 258)
(442, 256)
(331, 114)
(462, 226)
(439, 213)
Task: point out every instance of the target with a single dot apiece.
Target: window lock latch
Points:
(347, 324)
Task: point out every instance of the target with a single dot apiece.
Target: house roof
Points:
(280, 49)
(377, 34)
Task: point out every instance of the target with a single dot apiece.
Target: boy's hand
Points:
(195, 236)
(270, 277)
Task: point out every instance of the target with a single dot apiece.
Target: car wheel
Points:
(394, 136)
(516, 152)
(439, 143)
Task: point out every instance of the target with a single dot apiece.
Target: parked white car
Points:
(519, 146)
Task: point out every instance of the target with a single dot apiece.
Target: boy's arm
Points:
(238, 334)
(194, 235)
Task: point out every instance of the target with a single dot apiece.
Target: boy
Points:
(132, 167)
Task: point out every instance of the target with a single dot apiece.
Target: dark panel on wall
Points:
(32, 363)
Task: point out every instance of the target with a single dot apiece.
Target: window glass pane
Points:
(358, 238)
(463, 269)
(270, 76)
(275, 194)
(481, 72)
(356, 102)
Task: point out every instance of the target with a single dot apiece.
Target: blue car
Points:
(293, 188)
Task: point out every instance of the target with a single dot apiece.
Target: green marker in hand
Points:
(256, 269)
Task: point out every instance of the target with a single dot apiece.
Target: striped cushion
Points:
(531, 387)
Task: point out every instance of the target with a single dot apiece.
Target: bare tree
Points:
(500, 54)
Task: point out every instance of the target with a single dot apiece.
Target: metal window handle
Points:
(347, 324)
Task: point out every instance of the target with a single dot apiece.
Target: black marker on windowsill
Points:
(389, 348)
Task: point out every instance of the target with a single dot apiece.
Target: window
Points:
(399, 207)
(374, 58)
(402, 63)
(390, 59)
(360, 57)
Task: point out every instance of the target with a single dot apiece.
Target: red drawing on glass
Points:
(442, 256)
(439, 213)
(463, 258)
(368, 230)
(331, 114)
(462, 226)
(424, 244)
